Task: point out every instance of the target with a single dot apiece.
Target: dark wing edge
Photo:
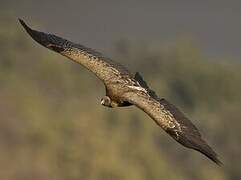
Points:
(50, 41)
(173, 121)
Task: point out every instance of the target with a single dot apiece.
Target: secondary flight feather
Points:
(126, 89)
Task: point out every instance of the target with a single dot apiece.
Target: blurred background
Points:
(52, 125)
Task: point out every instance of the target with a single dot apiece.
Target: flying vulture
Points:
(124, 89)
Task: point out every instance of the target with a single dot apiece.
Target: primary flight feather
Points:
(125, 89)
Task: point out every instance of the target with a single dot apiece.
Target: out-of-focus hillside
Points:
(52, 125)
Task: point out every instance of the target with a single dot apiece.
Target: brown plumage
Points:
(125, 89)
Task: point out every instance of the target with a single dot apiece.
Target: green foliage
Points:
(52, 125)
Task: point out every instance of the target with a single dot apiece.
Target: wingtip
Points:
(30, 31)
(194, 141)
(20, 20)
(208, 151)
(24, 24)
(217, 161)
(46, 40)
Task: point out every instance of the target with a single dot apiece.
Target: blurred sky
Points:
(214, 25)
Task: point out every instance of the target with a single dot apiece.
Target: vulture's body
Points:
(125, 89)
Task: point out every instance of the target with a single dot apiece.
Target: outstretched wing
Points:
(173, 121)
(104, 68)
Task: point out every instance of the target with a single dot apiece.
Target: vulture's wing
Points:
(173, 121)
(104, 68)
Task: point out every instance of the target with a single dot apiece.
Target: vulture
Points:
(125, 89)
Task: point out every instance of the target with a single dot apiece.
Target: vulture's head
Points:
(106, 101)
